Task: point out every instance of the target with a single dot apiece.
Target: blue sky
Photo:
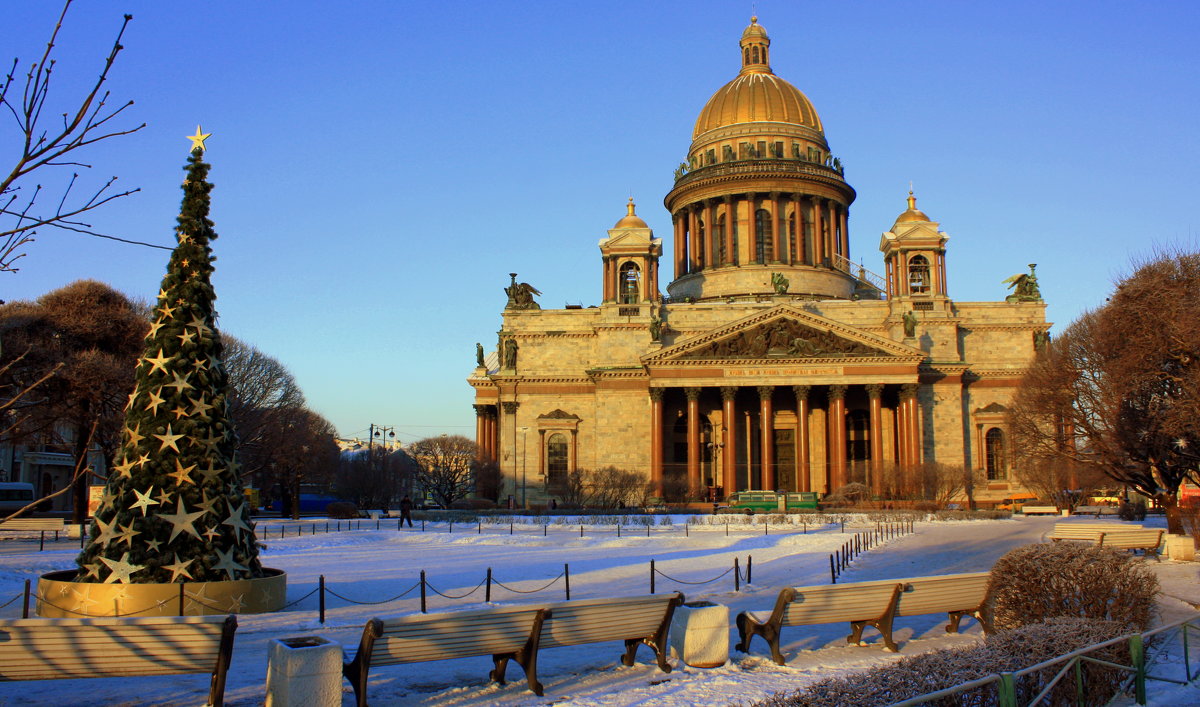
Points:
(381, 166)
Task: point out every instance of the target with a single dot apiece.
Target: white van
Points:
(15, 495)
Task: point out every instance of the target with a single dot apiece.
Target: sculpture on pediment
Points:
(510, 353)
(910, 324)
(520, 294)
(781, 338)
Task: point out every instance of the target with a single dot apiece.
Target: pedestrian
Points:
(406, 510)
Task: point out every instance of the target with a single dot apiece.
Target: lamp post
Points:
(523, 503)
(384, 433)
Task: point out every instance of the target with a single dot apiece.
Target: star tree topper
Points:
(198, 139)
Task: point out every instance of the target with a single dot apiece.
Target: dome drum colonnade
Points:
(760, 189)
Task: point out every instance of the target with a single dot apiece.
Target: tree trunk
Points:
(294, 495)
(79, 491)
(1170, 504)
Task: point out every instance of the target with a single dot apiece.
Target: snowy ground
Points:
(373, 565)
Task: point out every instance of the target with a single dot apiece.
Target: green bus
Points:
(771, 500)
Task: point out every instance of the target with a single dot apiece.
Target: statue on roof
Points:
(910, 324)
(780, 283)
(520, 294)
(1024, 287)
(479, 354)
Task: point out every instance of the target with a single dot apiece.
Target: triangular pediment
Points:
(785, 333)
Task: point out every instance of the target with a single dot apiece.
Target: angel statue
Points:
(1024, 287)
(520, 294)
(780, 283)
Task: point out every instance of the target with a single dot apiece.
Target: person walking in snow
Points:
(406, 510)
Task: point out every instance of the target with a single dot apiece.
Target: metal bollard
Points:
(567, 576)
(424, 607)
(651, 576)
(487, 592)
(321, 599)
(737, 576)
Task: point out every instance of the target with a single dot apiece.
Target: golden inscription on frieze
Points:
(748, 372)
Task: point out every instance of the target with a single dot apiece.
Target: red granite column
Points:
(656, 439)
(875, 395)
(694, 244)
(480, 447)
(803, 474)
(693, 437)
(729, 451)
(713, 248)
(819, 251)
(846, 231)
(837, 436)
(677, 220)
(730, 220)
(766, 418)
(908, 394)
(778, 230)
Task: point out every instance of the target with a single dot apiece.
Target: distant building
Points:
(774, 362)
(49, 464)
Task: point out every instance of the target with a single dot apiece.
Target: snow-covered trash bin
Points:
(700, 634)
(1180, 547)
(304, 671)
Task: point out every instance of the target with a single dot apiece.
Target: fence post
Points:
(843, 525)
(544, 530)
(804, 525)
(422, 525)
(737, 576)
(487, 592)
(1138, 654)
(339, 526)
(651, 576)
(181, 598)
(510, 527)
(424, 608)
(726, 528)
(581, 530)
(321, 600)
(1006, 691)
(25, 607)
(452, 527)
(832, 573)
(42, 542)
(326, 526)
(567, 576)
(764, 528)
(618, 530)
(314, 529)
(479, 527)
(749, 569)
(647, 530)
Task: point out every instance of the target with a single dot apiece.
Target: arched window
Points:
(754, 53)
(558, 459)
(918, 275)
(747, 56)
(763, 250)
(993, 443)
(630, 283)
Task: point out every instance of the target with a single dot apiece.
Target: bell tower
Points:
(914, 254)
(630, 255)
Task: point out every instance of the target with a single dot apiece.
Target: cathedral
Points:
(772, 362)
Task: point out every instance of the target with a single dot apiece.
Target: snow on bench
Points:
(864, 604)
(514, 633)
(56, 649)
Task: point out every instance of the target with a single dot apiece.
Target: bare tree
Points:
(301, 449)
(489, 480)
(1119, 391)
(264, 398)
(46, 145)
(375, 477)
(445, 466)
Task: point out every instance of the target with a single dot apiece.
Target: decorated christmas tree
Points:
(173, 508)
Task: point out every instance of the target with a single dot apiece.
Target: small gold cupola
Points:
(913, 213)
(755, 45)
(631, 219)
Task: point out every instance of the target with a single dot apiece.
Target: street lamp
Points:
(523, 431)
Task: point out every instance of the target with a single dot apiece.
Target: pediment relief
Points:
(784, 333)
(994, 409)
(558, 414)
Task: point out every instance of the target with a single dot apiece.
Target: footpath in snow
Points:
(374, 565)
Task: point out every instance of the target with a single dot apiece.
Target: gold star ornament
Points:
(198, 139)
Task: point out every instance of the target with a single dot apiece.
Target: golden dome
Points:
(913, 213)
(630, 220)
(757, 94)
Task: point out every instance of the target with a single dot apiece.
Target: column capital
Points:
(728, 392)
(656, 394)
(510, 407)
(765, 391)
(908, 391)
(693, 394)
(837, 392)
(801, 392)
(481, 410)
(874, 390)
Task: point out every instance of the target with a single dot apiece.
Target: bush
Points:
(1005, 651)
(1038, 582)
(341, 509)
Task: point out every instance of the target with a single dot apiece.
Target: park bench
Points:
(514, 633)
(635, 620)
(1088, 532)
(57, 649)
(1039, 510)
(504, 633)
(863, 604)
(1147, 540)
(35, 524)
(1095, 511)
